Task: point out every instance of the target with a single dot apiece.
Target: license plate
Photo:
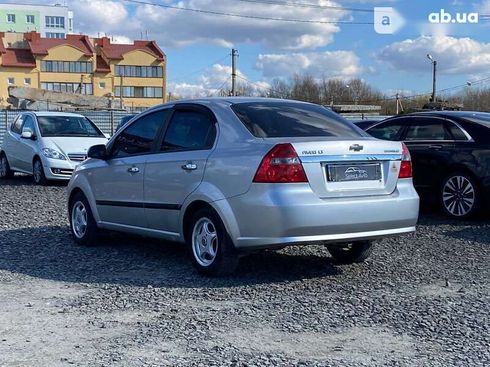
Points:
(353, 172)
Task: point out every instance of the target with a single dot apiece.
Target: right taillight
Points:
(406, 165)
(281, 165)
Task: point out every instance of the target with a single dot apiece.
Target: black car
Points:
(450, 154)
(364, 124)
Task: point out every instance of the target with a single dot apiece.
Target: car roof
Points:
(460, 114)
(52, 113)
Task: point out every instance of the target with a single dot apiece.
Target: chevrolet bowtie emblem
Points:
(356, 147)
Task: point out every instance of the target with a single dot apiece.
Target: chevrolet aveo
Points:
(226, 176)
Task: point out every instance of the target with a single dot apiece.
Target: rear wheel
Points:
(355, 252)
(5, 171)
(38, 172)
(212, 250)
(459, 196)
(82, 223)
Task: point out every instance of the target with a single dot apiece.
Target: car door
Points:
(27, 148)
(11, 144)
(430, 145)
(118, 183)
(177, 169)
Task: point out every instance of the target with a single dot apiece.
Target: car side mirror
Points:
(97, 152)
(28, 135)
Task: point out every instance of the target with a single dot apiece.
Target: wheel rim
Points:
(79, 219)
(3, 167)
(38, 168)
(204, 242)
(458, 196)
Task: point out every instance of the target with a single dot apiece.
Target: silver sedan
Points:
(230, 175)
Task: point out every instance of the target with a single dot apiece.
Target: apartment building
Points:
(51, 21)
(134, 73)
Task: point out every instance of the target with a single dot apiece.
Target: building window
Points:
(30, 19)
(139, 92)
(55, 35)
(139, 71)
(10, 18)
(68, 87)
(66, 66)
(55, 22)
(27, 81)
(102, 85)
(11, 81)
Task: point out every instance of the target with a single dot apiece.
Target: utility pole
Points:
(399, 106)
(234, 55)
(434, 67)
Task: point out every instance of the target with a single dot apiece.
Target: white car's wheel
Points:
(210, 245)
(5, 171)
(354, 252)
(38, 172)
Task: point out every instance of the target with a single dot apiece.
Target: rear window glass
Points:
(282, 119)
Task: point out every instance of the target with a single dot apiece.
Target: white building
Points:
(51, 21)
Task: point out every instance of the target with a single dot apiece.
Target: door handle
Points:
(189, 166)
(133, 170)
(435, 147)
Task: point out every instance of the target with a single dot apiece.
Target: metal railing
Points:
(106, 121)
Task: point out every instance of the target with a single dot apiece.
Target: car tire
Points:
(83, 227)
(5, 171)
(210, 245)
(355, 252)
(459, 196)
(38, 173)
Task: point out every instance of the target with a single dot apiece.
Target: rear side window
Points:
(456, 132)
(282, 119)
(388, 130)
(138, 137)
(189, 130)
(427, 130)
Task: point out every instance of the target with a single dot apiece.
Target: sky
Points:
(334, 42)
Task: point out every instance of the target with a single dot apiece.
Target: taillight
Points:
(406, 166)
(281, 165)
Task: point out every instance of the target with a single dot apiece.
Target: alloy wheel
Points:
(79, 219)
(458, 196)
(38, 167)
(3, 167)
(204, 242)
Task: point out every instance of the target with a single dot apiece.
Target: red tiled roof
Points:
(40, 46)
(16, 57)
(101, 65)
(116, 51)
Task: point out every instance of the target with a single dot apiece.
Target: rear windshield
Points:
(67, 126)
(283, 119)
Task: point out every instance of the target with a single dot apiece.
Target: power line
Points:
(307, 5)
(212, 12)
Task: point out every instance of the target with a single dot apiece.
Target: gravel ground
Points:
(421, 300)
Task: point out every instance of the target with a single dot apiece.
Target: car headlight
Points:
(53, 153)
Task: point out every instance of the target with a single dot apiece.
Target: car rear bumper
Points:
(272, 215)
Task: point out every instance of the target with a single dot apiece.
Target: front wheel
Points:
(459, 196)
(212, 250)
(355, 252)
(82, 223)
(5, 171)
(38, 173)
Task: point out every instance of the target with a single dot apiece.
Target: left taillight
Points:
(281, 165)
(406, 165)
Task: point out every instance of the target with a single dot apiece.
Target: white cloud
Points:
(214, 81)
(104, 16)
(330, 64)
(454, 55)
(180, 28)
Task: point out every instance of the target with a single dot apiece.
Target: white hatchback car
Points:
(47, 145)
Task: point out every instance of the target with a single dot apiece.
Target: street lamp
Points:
(434, 65)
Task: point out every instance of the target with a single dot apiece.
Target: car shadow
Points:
(21, 179)
(50, 253)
